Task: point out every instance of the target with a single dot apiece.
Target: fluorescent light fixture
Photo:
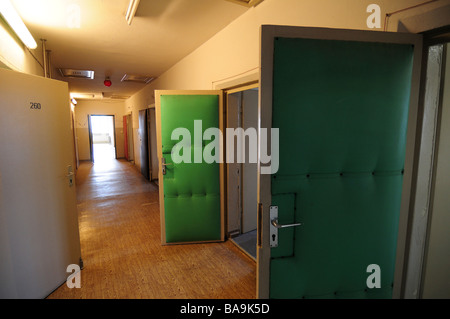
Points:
(15, 22)
(132, 7)
(82, 96)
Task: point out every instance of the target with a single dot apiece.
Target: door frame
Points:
(143, 139)
(125, 137)
(152, 174)
(158, 94)
(268, 33)
(226, 91)
(149, 147)
(432, 25)
(75, 140)
(91, 143)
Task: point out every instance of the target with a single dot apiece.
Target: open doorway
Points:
(102, 138)
(242, 112)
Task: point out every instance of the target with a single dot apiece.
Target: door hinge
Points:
(259, 225)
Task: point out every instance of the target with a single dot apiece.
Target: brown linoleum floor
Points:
(121, 247)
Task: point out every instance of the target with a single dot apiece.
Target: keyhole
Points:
(273, 237)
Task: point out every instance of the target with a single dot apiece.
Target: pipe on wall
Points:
(49, 68)
(44, 57)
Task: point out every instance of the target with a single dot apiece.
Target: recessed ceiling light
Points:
(71, 73)
(247, 3)
(137, 78)
(111, 95)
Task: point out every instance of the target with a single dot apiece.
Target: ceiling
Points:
(94, 35)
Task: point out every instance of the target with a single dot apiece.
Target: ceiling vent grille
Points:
(71, 73)
(247, 3)
(110, 95)
(137, 78)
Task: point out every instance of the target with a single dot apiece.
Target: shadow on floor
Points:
(247, 242)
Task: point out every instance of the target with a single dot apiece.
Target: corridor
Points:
(119, 223)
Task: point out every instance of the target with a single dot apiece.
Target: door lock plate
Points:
(273, 229)
(275, 225)
(70, 175)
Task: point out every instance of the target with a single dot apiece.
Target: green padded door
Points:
(342, 107)
(190, 190)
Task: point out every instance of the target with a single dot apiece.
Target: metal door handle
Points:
(163, 165)
(163, 162)
(276, 225)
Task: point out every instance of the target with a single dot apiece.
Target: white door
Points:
(39, 234)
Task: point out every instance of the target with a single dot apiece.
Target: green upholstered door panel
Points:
(192, 207)
(342, 111)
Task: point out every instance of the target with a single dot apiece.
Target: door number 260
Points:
(35, 106)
